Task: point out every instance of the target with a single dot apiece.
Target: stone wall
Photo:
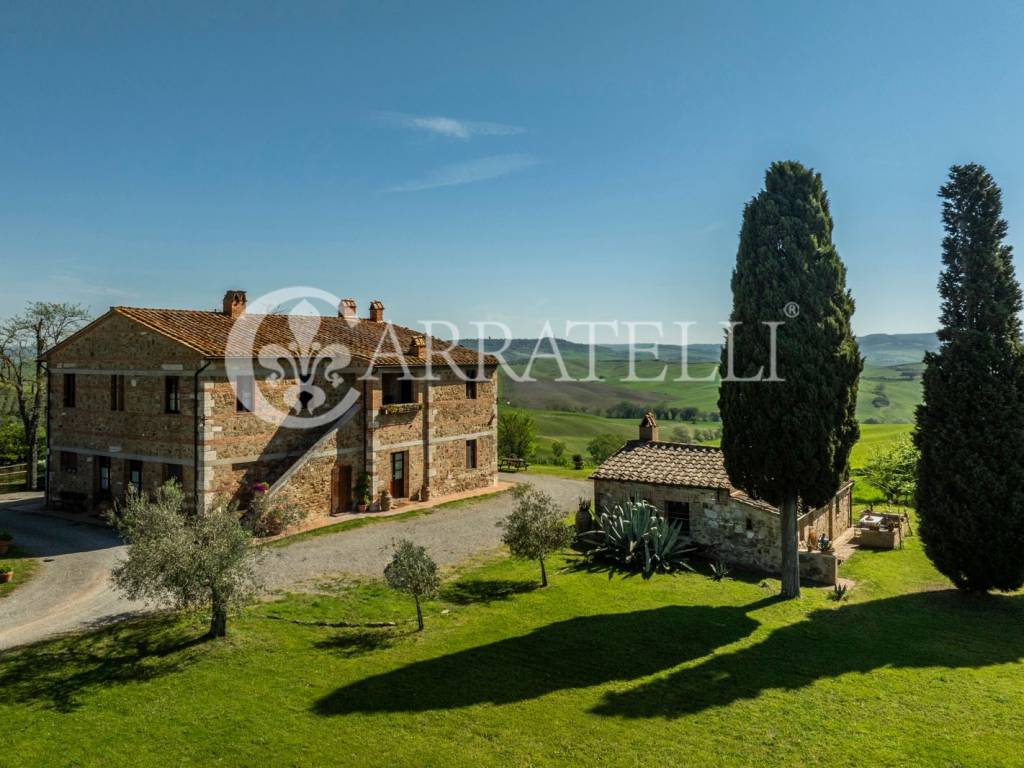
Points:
(239, 449)
(819, 567)
(832, 519)
(737, 532)
(142, 431)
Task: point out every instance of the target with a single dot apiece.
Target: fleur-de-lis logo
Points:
(289, 350)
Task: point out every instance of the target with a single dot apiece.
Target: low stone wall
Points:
(819, 567)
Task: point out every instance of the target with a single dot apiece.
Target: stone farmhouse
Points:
(689, 484)
(142, 396)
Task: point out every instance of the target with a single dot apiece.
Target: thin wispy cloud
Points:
(450, 126)
(466, 173)
(74, 284)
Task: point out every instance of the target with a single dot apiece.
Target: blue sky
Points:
(515, 162)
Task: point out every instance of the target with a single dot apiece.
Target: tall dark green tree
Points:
(788, 442)
(970, 427)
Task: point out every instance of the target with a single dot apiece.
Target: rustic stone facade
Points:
(218, 450)
(733, 526)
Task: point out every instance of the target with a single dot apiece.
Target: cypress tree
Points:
(970, 426)
(788, 442)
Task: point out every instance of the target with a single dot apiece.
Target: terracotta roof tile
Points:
(697, 466)
(208, 334)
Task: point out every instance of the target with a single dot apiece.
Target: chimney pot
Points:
(418, 348)
(376, 312)
(347, 308)
(234, 304)
(649, 428)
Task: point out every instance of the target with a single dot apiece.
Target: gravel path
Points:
(449, 535)
(71, 590)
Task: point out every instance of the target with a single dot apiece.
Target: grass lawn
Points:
(24, 565)
(680, 670)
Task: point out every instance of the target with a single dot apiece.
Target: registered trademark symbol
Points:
(791, 310)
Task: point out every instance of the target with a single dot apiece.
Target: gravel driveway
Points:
(449, 535)
(71, 590)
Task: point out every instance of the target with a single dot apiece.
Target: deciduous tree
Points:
(516, 434)
(603, 446)
(23, 340)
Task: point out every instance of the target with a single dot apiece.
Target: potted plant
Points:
(5, 541)
(385, 500)
(362, 490)
(6, 574)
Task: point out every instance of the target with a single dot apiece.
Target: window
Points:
(173, 472)
(69, 462)
(396, 389)
(470, 390)
(679, 512)
(471, 454)
(171, 400)
(244, 392)
(135, 475)
(116, 392)
(69, 390)
(103, 475)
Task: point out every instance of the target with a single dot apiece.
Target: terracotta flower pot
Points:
(6, 577)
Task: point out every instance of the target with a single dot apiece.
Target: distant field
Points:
(887, 394)
(577, 429)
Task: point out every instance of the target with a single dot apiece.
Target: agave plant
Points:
(719, 570)
(636, 537)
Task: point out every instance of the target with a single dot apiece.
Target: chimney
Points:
(376, 312)
(234, 304)
(649, 428)
(347, 309)
(418, 347)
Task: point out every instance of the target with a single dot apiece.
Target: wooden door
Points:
(398, 475)
(341, 489)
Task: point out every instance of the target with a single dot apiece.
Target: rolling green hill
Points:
(887, 394)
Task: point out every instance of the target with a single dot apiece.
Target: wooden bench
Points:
(512, 463)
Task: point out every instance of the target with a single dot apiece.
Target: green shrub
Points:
(270, 515)
(636, 538)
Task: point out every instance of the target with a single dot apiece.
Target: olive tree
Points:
(893, 470)
(413, 572)
(535, 528)
(191, 561)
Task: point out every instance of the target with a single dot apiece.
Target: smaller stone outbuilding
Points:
(689, 484)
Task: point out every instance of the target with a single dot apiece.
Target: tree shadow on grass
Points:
(356, 642)
(472, 591)
(927, 629)
(58, 673)
(577, 653)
